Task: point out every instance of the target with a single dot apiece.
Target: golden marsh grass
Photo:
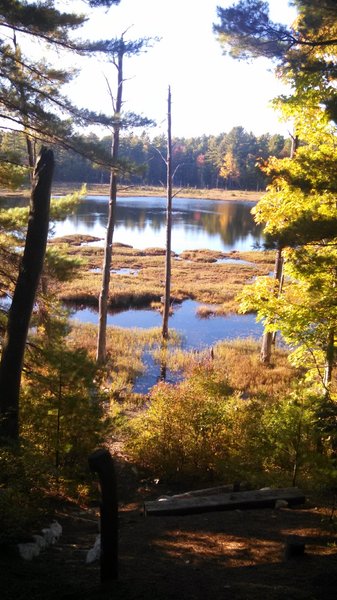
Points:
(195, 274)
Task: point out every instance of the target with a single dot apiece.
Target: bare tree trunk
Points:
(294, 145)
(330, 353)
(167, 294)
(104, 294)
(268, 336)
(24, 295)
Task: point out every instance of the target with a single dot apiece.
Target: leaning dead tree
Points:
(24, 295)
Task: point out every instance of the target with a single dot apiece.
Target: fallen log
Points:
(265, 498)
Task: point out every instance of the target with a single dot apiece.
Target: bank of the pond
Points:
(103, 190)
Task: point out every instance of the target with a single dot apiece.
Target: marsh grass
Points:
(129, 190)
(124, 347)
(237, 361)
(206, 312)
(195, 275)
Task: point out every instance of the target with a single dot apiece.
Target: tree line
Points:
(229, 160)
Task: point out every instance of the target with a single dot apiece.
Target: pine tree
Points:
(298, 210)
(116, 50)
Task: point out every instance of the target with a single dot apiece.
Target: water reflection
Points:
(141, 221)
(196, 333)
(197, 223)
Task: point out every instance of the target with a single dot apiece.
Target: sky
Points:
(211, 93)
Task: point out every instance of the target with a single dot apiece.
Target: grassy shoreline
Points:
(103, 190)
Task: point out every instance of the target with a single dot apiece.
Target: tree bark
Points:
(167, 294)
(104, 294)
(329, 357)
(268, 336)
(24, 295)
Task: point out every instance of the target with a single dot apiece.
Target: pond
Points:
(196, 333)
(141, 222)
(197, 224)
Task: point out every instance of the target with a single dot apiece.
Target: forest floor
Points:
(236, 555)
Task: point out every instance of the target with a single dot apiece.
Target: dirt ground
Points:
(236, 555)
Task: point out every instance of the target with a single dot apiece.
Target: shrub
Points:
(62, 408)
(186, 429)
(200, 428)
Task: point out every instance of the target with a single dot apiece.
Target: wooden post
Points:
(101, 462)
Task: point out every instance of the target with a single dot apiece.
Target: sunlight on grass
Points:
(196, 275)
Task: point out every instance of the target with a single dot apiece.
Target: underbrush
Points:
(234, 419)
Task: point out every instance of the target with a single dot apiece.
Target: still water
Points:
(197, 333)
(141, 221)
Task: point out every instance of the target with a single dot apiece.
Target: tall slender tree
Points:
(167, 293)
(117, 50)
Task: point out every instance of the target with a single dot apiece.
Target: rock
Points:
(281, 504)
(95, 552)
(29, 550)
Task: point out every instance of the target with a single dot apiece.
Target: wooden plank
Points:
(264, 498)
(220, 489)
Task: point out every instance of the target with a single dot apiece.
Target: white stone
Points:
(29, 550)
(40, 541)
(56, 529)
(95, 552)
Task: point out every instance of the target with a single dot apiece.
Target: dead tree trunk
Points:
(167, 294)
(104, 294)
(268, 336)
(24, 295)
(329, 361)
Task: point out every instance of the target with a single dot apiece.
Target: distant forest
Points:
(228, 161)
